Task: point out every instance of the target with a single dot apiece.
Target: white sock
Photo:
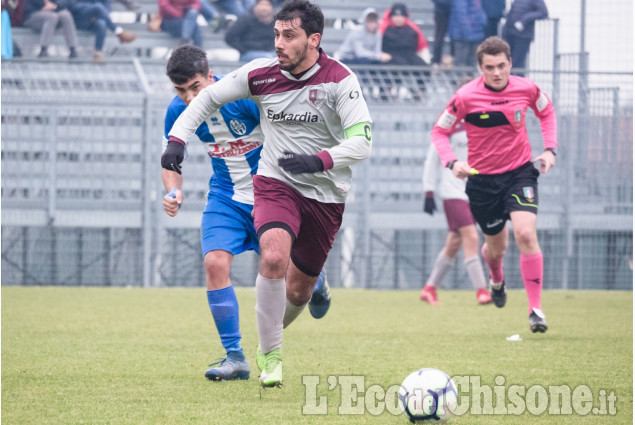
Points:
(291, 312)
(270, 306)
(475, 271)
(441, 266)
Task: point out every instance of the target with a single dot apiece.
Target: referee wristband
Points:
(554, 151)
(451, 164)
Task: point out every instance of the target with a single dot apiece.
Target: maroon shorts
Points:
(312, 224)
(458, 214)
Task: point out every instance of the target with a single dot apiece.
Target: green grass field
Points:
(135, 356)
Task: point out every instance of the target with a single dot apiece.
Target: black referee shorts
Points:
(494, 196)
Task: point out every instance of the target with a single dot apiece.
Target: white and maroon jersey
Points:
(301, 115)
(495, 124)
(450, 187)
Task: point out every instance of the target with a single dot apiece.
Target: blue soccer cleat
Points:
(321, 298)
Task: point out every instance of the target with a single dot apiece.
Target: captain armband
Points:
(361, 129)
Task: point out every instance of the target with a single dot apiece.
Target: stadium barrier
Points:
(81, 187)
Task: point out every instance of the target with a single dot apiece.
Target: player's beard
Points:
(293, 64)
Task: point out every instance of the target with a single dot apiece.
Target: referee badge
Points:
(518, 115)
(528, 192)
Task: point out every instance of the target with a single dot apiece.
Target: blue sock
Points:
(224, 307)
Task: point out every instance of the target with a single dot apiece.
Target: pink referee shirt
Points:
(495, 124)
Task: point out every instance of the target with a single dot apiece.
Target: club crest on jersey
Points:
(317, 97)
(238, 127)
(528, 192)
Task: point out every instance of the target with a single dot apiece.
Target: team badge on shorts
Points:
(528, 192)
(317, 97)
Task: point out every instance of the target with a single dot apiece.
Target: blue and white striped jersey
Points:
(233, 139)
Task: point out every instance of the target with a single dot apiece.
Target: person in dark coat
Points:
(442, 10)
(494, 9)
(519, 28)
(252, 34)
(402, 38)
(467, 23)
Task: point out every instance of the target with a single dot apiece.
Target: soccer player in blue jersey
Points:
(233, 139)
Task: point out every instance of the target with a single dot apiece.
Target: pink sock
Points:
(495, 267)
(531, 269)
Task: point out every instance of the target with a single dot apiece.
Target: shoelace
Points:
(219, 362)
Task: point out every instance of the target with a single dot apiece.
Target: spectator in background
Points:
(518, 30)
(178, 18)
(467, 24)
(442, 9)
(45, 16)
(362, 44)
(402, 38)
(252, 34)
(235, 7)
(94, 15)
(494, 10)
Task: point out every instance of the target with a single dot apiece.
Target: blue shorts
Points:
(228, 226)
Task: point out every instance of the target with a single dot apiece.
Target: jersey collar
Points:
(309, 72)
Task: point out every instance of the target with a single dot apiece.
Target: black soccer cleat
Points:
(499, 296)
(537, 321)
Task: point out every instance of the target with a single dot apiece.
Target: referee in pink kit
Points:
(502, 179)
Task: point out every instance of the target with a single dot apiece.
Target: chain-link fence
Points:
(81, 186)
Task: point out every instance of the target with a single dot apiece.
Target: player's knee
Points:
(526, 237)
(299, 296)
(496, 252)
(470, 239)
(454, 243)
(273, 262)
(216, 267)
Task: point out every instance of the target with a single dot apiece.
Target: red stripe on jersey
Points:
(270, 80)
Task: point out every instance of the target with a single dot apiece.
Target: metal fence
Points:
(81, 186)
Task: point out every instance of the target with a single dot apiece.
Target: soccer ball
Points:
(428, 395)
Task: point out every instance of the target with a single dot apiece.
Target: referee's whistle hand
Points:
(461, 169)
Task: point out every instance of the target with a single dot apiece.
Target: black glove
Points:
(429, 206)
(173, 157)
(296, 163)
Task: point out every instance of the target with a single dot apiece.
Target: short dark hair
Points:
(493, 46)
(186, 62)
(311, 16)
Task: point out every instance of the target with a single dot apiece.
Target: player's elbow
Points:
(366, 150)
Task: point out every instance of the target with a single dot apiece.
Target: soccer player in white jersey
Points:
(233, 139)
(316, 124)
(461, 224)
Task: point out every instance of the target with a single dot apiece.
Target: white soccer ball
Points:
(428, 395)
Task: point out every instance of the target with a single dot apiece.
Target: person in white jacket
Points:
(461, 224)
